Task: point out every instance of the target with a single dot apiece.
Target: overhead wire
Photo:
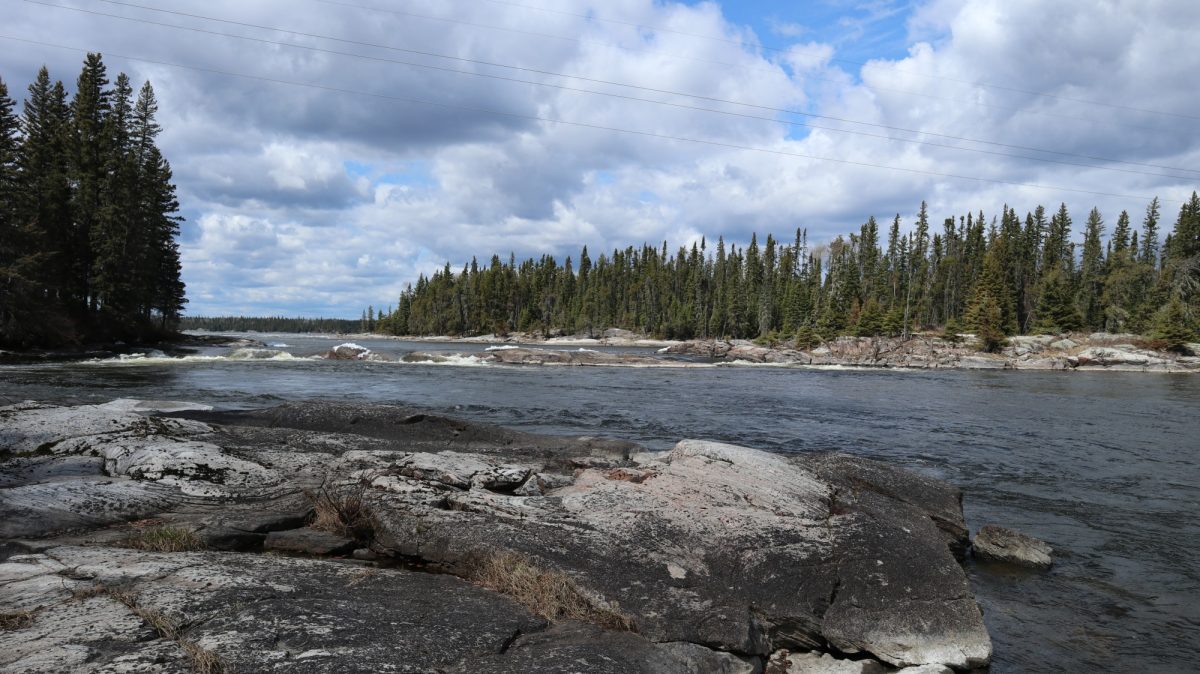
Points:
(603, 93)
(783, 50)
(586, 125)
(801, 113)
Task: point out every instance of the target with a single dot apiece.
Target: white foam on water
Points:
(502, 347)
(452, 360)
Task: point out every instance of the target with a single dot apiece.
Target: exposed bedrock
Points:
(708, 553)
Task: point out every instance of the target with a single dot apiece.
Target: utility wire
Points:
(585, 125)
(726, 64)
(640, 88)
(783, 50)
(604, 93)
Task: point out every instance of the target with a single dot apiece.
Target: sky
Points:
(327, 152)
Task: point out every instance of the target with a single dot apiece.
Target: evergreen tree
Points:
(1091, 273)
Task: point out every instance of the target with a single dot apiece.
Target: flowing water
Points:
(1102, 465)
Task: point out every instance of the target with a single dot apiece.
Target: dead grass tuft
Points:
(343, 511)
(550, 594)
(163, 539)
(16, 620)
(203, 660)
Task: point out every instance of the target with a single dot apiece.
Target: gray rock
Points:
(1064, 344)
(308, 541)
(995, 543)
(575, 648)
(350, 351)
(739, 550)
(257, 613)
(926, 669)
(983, 363)
(784, 662)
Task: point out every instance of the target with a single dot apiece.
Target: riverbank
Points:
(1091, 352)
(132, 533)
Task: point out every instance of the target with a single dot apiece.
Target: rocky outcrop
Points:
(998, 544)
(1098, 351)
(713, 556)
(351, 351)
(534, 356)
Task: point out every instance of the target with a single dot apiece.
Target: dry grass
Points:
(16, 620)
(164, 539)
(343, 511)
(203, 660)
(550, 594)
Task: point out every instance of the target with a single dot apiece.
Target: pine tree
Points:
(1091, 273)
(17, 257)
(88, 153)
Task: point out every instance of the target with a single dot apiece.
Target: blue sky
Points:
(310, 189)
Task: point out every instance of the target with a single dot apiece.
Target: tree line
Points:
(272, 324)
(88, 214)
(995, 277)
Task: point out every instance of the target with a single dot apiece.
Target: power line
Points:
(634, 86)
(586, 125)
(726, 64)
(784, 50)
(603, 93)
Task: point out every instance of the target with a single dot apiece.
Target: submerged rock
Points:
(998, 544)
(709, 547)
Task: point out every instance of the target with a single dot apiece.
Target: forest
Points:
(269, 324)
(88, 214)
(994, 277)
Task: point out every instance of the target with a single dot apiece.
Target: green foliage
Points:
(1172, 326)
(88, 222)
(952, 331)
(807, 338)
(998, 278)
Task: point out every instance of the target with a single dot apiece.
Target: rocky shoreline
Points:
(144, 536)
(1091, 353)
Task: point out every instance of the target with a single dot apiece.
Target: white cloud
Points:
(279, 224)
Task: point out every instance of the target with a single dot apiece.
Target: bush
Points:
(343, 511)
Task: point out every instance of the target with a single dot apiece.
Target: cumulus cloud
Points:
(317, 182)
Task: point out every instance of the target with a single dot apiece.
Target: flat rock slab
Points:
(308, 542)
(998, 544)
(257, 613)
(709, 546)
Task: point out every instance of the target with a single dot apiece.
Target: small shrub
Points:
(550, 594)
(164, 539)
(343, 511)
(16, 620)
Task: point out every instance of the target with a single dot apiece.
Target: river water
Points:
(1102, 465)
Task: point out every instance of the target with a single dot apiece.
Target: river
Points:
(1102, 465)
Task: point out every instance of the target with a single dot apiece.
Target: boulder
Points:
(998, 544)
(1118, 357)
(1065, 344)
(352, 351)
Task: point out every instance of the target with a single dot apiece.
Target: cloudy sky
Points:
(327, 152)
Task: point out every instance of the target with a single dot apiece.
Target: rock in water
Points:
(351, 351)
(998, 544)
